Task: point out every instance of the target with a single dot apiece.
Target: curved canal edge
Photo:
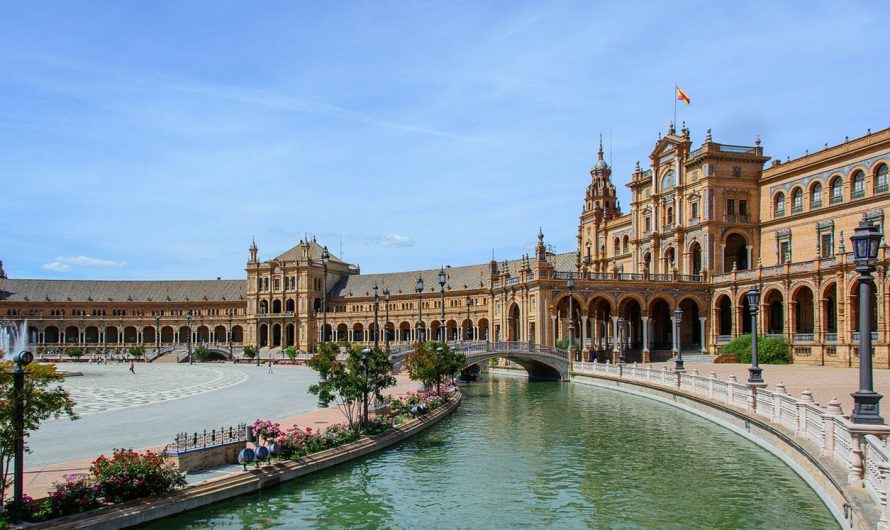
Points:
(825, 476)
(240, 483)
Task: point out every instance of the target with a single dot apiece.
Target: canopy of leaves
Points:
(137, 352)
(249, 351)
(770, 350)
(75, 352)
(432, 362)
(291, 352)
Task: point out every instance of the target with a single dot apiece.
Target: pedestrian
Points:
(270, 366)
(133, 367)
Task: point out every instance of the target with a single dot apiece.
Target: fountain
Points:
(13, 338)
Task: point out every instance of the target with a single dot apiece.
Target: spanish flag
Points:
(681, 96)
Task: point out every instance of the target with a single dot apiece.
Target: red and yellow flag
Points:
(681, 96)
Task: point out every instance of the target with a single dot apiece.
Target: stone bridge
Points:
(541, 362)
(181, 352)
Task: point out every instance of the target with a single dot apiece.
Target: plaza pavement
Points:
(146, 410)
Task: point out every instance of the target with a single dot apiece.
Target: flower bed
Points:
(127, 475)
(418, 404)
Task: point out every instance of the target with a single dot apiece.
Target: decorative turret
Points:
(2, 272)
(601, 192)
(541, 249)
(252, 249)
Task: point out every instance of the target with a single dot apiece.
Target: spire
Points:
(2, 272)
(540, 238)
(253, 251)
(541, 249)
(600, 152)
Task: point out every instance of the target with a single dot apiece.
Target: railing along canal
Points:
(827, 431)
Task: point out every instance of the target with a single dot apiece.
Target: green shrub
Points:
(131, 475)
(771, 350)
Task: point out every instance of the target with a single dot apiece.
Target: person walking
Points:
(270, 366)
(133, 367)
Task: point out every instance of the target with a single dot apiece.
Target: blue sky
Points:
(155, 139)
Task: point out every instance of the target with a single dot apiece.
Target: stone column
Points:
(646, 354)
(553, 322)
(584, 347)
(750, 257)
(704, 344)
(615, 334)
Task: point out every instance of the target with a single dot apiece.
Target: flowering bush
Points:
(130, 475)
(432, 400)
(77, 494)
(267, 430)
(297, 442)
(381, 425)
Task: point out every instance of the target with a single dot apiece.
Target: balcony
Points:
(737, 218)
(855, 337)
(858, 194)
(286, 314)
(836, 199)
(881, 188)
(736, 149)
(831, 337)
(796, 209)
(803, 337)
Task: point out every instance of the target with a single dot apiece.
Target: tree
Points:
(202, 354)
(44, 398)
(75, 353)
(291, 352)
(249, 352)
(350, 382)
(431, 362)
(137, 352)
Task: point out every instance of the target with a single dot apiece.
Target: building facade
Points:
(705, 225)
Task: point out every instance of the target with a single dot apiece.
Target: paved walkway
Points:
(823, 381)
(62, 447)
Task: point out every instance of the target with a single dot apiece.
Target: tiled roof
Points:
(461, 278)
(296, 253)
(122, 291)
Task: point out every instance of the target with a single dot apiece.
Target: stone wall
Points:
(207, 457)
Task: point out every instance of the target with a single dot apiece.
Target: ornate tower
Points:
(253, 252)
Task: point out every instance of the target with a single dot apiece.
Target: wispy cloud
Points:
(66, 263)
(395, 241)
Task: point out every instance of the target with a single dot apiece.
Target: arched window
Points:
(670, 215)
(797, 200)
(779, 205)
(837, 190)
(881, 179)
(667, 181)
(617, 246)
(858, 185)
(816, 195)
(626, 245)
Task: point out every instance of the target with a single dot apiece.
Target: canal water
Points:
(543, 455)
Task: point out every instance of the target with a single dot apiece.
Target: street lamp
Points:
(419, 288)
(366, 353)
(468, 336)
(376, 324)
(21, 360)
(443, 336)
(325, 258)
(755, 377)
(188, 321)
(866, 402)
(621, 341)
(678, 360)
(570, 283)
(386, 298)
(229, 314)
(158, 332)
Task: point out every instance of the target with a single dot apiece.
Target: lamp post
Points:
(229, 314)
(386, 298)
(866, 402)
(570, 283)
(158, 332)
(258, 340)
(188, 322)
(325, 258)
(443, 335)
(419, 288)
(365, 354)
(20, 360)
(755, 376)
(678, 360)
(376, 324)
(469, 322)
(621, 359)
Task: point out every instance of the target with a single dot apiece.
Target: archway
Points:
(185, 334)
(600, 328)
(451, 330)
(72, 334)
(276, 335)
(632, 312)
(735, 251)
(404, 332)
(829, 312)
(51, 335)
(775, 306)
(219, 335)
(513, 323)
(237, 334)
(167, 335)
(690, 326)
(358, 332)
(290, 332)
(483, 329)
(342, 333)
(203, 334)
(804, 312)
(276, 306)
(264, 336)
(724, 316)
(662, 325)
(91, 335)
(695, 263)
(148, 335)
(130, 335)
(289, 305)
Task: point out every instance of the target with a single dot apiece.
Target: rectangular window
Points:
(648, 224)
(695, 210)
(730, 207)
(826, 248)
(784, 252)
(743, 207)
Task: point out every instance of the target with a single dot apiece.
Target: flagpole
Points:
(675, 104)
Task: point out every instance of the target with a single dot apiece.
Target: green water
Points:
(543, 455)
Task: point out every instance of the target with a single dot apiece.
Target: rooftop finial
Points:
(671, 127)
(540, 237)
(757, 140)
(708, 135)
(600, 152)
(637, 167)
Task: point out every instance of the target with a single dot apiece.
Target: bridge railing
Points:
(823, 432)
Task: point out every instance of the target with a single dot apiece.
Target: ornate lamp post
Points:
(20, 360)
(468, 336)
(678, 360)
(419, 288)
(386, 298)
(376, 312)
(158, 332)
(443, 335)
(229, 314)
(866, 402)
(325, 258)
(621, 359)
(755, 376)
(188, 322)
(570, 283)
(366, 353)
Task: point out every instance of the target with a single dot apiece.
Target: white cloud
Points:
(395, 241)
(65, 263)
